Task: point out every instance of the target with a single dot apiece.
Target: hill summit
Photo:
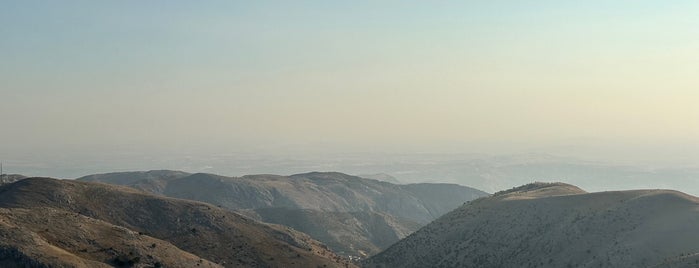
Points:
(557, 225)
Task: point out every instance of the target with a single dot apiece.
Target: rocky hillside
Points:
(47, 222)
(557, 225)
(353, 215)
(43, 236)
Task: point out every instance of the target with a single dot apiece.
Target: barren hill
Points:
(43, 236)
(61, 222)
(353, 215)
(557, 225)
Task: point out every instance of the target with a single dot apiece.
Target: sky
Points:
(597, 79)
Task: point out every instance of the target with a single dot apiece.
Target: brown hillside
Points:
(207, 231)
(556, 225)
(354, 216)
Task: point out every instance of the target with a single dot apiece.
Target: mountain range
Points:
(63, 223)
(75, 223)
(354, 216)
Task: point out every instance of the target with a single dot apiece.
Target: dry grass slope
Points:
(206, 231)
(60, 238)
(557, 225)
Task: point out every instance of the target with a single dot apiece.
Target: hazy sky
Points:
(486, 76)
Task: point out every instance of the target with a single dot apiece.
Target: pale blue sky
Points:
(486, 76)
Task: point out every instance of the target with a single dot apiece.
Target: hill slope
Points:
(347, 233)
(353, 215)
(323, 191)
(200, 231)
(556, 225)
(48, 236)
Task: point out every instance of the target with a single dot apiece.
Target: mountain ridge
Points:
(214, 234)
(535, 226)
(367, 203)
